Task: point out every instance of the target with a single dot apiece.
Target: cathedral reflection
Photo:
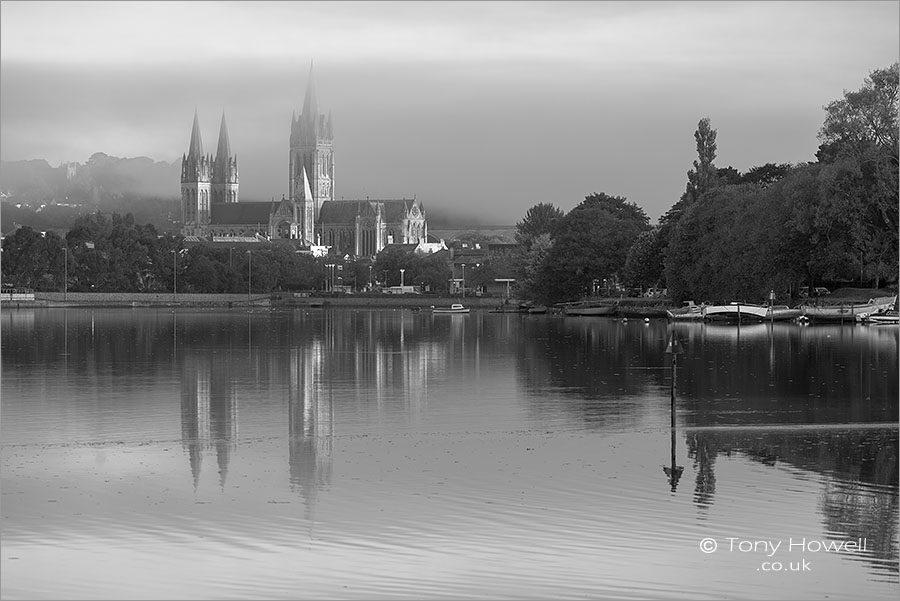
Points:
(209, 421)
(310, 424)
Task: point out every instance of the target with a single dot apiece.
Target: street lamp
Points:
(174, 274)
(66, 276)
(464, 280)
(370, 277)
(249, 274)
(401, 277)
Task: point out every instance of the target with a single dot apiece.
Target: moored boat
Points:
(735, 311)
(455, 309)
(590, 308)
(782, 312)
(849, 311)
(883, 318)
(687, 311)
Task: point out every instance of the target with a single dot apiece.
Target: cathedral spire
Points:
(310, 107)
(307, 192)
(196, 148)
(223, 151)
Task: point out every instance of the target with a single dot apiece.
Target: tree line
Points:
(730, 235)
(734, 235)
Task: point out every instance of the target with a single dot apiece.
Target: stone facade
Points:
(364, 227)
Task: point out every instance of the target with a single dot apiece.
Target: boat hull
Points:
(782, 313)
(852, 312)
(590, 309)
(735, 312)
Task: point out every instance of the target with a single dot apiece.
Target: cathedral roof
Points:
(240, 213)
(345, 211)
(196, 148)
(342, 211)
(395, 210)
(224, 149)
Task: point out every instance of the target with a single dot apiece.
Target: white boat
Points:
(883, 318)
(455, 308)
(735, 311)
(687, 311)
(850, 311)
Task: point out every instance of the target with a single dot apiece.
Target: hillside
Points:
(98, 180)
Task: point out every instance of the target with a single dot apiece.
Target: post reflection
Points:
(209, 419)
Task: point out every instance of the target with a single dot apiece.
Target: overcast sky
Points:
(479, 108)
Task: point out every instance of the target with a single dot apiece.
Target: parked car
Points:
(817, 291)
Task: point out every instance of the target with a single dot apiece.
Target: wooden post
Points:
(673, 471)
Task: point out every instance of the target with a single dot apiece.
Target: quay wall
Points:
(278, 299)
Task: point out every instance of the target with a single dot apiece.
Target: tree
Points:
(542, 218)
(33, 260)
(703, 177)
(643, 265)
(592, 243)
(859, 153)
(867, 117)
(531, 284)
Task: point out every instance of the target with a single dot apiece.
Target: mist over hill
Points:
(100, 178)
(45, 197)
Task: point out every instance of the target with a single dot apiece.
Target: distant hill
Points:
(100, 179)
(45, 197)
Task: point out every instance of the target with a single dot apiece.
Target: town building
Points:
(310, 215)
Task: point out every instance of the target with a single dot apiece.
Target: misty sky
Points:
(477, 108)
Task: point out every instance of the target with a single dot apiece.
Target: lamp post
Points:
(174, 274)
(464, 280)
(370, 277)
(66, 271)
(401, 277)
(249, 274)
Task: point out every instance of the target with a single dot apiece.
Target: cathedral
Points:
(212, 209)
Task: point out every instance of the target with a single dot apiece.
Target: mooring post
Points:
(673, 471)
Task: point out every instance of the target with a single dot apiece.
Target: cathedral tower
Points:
(224, 170)
(311, 164)
(195, 185)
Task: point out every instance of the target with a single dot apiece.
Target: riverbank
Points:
(276, 299)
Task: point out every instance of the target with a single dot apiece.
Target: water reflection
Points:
(759, 376)
(859, 472)
(209, 411)
(310, 424)
(411, 437)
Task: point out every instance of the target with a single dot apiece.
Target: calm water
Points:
(391, 454)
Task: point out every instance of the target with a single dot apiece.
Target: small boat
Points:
(454, 309)
(850, 311)
(590, 308)
(687, 311)
(782, 313)
(882, 318)
(537, 310)
(735, 311)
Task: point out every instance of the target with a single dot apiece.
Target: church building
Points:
(212, 208)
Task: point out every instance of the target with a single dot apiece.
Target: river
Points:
(339, 453)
